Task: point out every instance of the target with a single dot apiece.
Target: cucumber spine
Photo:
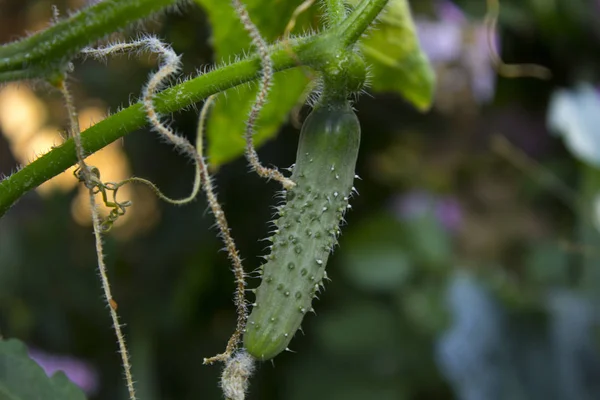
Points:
(306, 228)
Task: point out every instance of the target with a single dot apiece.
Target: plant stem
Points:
(48, 52)
(128, 120)
(336, 12)
(359, 20)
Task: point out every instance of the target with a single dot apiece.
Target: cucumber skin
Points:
(306, 229)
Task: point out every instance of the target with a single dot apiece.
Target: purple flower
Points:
(78, 372)
(451, 41)
(446, 210)
(448, 11)
(449, 213)
(440, 40)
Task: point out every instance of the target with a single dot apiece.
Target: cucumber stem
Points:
(359, 20)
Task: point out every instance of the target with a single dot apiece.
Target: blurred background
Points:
(468, 268)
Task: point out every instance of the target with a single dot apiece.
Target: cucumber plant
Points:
(317, 194)
(308, 222)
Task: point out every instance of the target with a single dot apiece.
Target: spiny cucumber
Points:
(306, 229)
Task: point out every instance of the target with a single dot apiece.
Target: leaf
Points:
(227, 123)
(22, 379)
(397, 61)
(226, 126)
(575, 114)
(428, 241)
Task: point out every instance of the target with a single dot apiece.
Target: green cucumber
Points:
(306, 229)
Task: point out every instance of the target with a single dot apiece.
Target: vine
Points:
(310, 50)
(48, 56)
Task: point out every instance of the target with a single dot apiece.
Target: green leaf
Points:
(22, 379)
(226, 126)
(227, 123)
(397, 62)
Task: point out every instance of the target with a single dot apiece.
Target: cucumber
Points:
(306, 228)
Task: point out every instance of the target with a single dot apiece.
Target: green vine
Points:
(314, 50)
(46, 54)
(336, 12)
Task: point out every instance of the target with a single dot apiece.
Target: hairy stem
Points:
(134, 117)
(97, 224)
(224, 232)
(264, 86)
(46, 54)
(361, 18)
(335, 11)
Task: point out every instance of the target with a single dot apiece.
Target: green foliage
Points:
(383, 252)
(226, 126)
(376, 259)
(22, 379)
(424, 306)
(134, 117)
(308, 50)
(397, 62)
(547, 264)
(428, 242)
(392, 50)
(367, 328)
(373, 334)
(375, 266)
(408, 259)
(331, 147)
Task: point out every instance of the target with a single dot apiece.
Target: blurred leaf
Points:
(588, 226)
(428, 241)
(22, 379)
(397, 62)
(226, 125)
(360, 328)
(513, 293)
(336, 379)
(230, 38)
(374, 256)
(377, 267)
(424, 307)
(547, 264)
(575, 114)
